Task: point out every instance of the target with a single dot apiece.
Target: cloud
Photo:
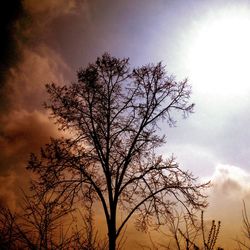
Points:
(193, 157)
(37, 59)
(51, 8)
(26, 83)
(25, 125)
(42, 16)
(10, 12)
(230, 185)
(8, 192)
(22, 132)
(231, 181)
(38, 62)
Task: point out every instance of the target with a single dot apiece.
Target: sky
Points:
(206, 41)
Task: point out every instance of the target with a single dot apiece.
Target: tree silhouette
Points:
(112, 115)
(42, 223)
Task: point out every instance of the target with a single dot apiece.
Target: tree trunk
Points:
(112, 230)
(112, 236)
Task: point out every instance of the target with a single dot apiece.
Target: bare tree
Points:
(112, 114)
(42, 221)
(44, 224)
(244, 243)
(38, 225)
(194, 234)
(8, 232)
(86, 237)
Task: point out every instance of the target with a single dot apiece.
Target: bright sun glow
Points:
(219, 58)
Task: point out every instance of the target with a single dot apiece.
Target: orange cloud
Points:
(22, 132)
(25, 87)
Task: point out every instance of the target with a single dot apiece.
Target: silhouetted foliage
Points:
(111, 114)
(8, 232)
(44, 224)
(42, 220)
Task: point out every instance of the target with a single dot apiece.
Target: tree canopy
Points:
(112, 116)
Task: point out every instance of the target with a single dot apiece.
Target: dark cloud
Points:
(22, 132)
(26, 27)
(10, 53)
(30, 62)
(10, 13)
